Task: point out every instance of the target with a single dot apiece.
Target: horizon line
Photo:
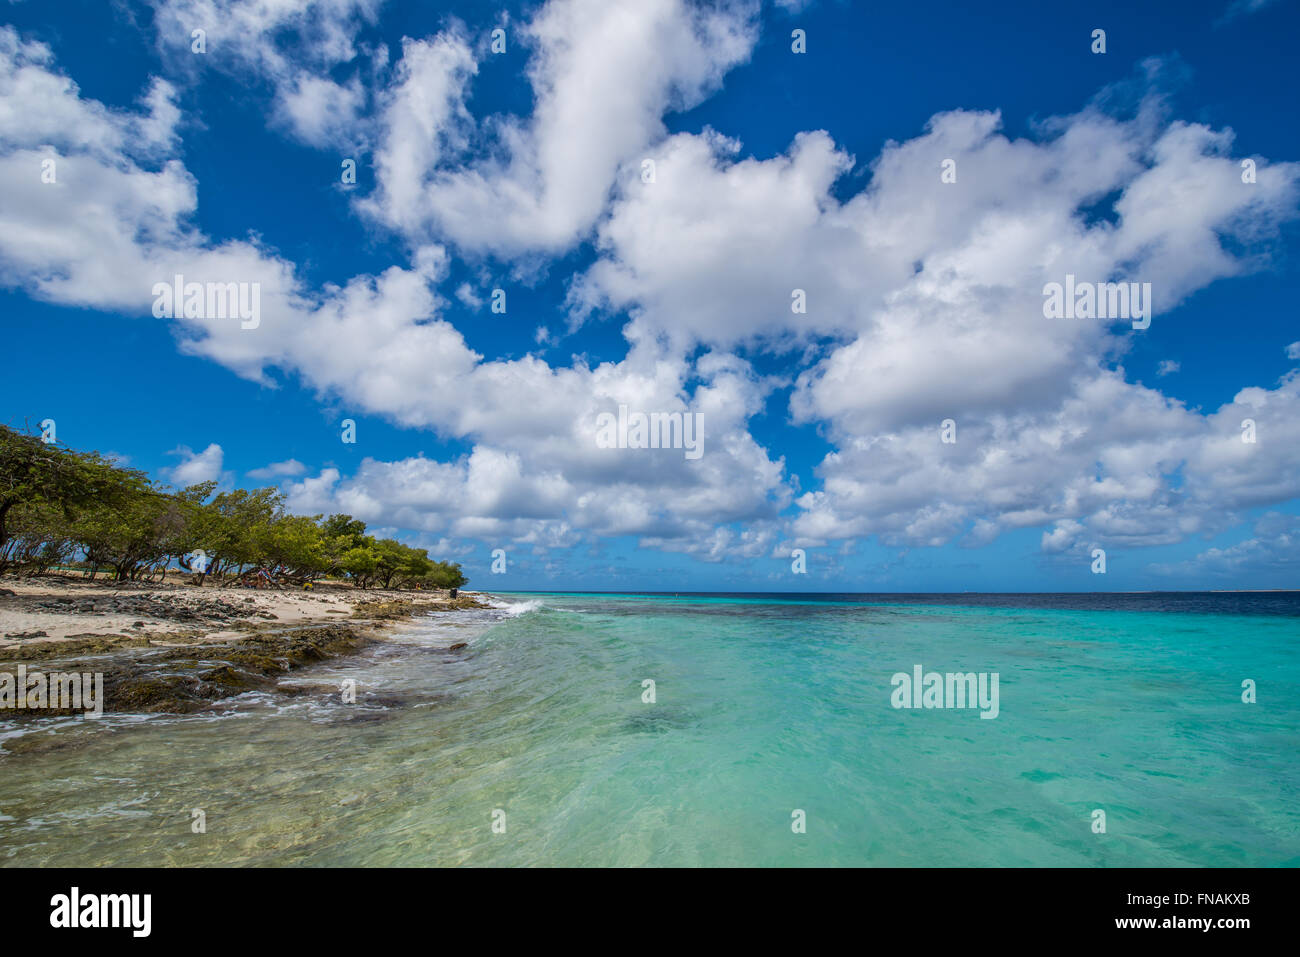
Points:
(640, 591)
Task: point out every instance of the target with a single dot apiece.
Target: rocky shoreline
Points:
(222, 649)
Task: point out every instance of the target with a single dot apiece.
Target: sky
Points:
(824, 231)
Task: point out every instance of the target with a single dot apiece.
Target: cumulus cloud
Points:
(287, 468)
(924, 281)
(291, 46)
(603, 75)
(196, 467)
(1271, 554)
(321, 111)
(468, 296)
(378, 343)
(554, 476)
(1112, 464)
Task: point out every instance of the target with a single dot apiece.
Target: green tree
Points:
(57, 503)
(38, 539)
(350, 530)
(129, 535)
(360, 565)
(391, 556)
(293, 546)
(447, 575)
(235, 525)
(34, 473)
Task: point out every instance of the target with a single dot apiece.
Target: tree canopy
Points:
(58, 506)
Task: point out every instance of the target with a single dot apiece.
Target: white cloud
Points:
(196, 467)
(468, 296)
(292, 45)
(924, 281)
(603, 76)
(423, 118)
(1242, 8)
(1272, 551)
(934, 293)
(1114, 464)
(378, 343)
(548, 473)
(321, 111)
(40, 107)
(287, 468)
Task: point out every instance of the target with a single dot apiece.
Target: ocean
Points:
(714, 730)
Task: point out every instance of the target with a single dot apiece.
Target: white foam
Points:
(514, 609)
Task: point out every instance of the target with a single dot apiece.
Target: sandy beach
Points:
(176, 647)
(54, 608)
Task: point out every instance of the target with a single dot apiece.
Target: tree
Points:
(34, 473)
(340, 534)
(390, 556)
(236, 525)
(198, 520)
(130, 535)
(292, 546)
(360, 564)
(345, 527)
(447, 575)
(57, 503)
(38, 539)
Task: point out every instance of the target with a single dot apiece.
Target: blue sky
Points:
(775, 171)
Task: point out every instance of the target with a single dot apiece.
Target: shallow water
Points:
(764, 706)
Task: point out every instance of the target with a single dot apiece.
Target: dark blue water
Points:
(1180, 602)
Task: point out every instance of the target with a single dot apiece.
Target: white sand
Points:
(21, 614)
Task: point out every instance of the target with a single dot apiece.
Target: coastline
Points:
(173, 647)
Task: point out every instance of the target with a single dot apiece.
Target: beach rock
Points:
(459, 645)
(79, 645)
(224, 681)
(172, 695)
(185, 680)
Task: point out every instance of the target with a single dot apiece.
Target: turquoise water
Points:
(763, 707)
